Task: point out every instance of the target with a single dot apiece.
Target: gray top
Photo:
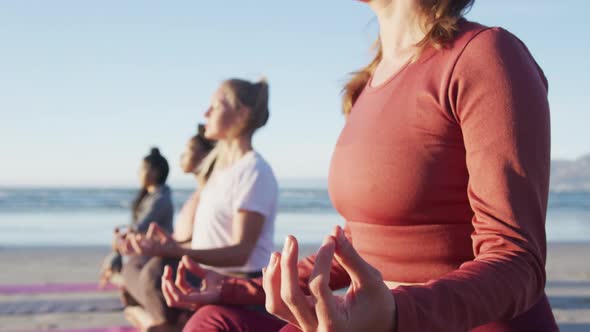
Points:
(155, 207)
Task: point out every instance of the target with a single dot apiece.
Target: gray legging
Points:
(143, 277)
(143, 285)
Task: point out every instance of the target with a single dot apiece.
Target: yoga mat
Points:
(94, 329)
(54, 288)
(29, 307)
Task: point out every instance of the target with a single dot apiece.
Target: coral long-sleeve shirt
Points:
(442, 175)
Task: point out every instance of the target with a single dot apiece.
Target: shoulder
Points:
(494, 70)
(477, 43)
(255, 163)
(163, 196)
(494, 50)
(255, 169)
(492, 42)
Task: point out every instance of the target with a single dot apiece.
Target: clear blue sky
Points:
(87, 87)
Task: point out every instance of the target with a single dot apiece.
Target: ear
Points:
(245, 111)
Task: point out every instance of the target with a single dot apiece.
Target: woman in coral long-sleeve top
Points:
(442, 174)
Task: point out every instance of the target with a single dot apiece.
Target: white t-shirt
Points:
(249, 184)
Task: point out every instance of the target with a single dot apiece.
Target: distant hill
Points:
(571, 175)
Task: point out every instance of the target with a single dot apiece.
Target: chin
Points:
(211, 135)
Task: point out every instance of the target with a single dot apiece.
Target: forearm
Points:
(182, 238)
(183, 230)
(509, 283)
(235, 255)
(186, 244)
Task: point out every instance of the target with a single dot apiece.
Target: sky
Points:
(86, 88)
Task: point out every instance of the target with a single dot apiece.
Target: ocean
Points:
(87, 216)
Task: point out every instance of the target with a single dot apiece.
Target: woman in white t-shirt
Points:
(238, 205)
(234, 221)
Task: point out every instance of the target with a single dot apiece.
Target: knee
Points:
(148, 283)
(128, 271)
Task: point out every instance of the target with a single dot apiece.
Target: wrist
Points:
(181, 251)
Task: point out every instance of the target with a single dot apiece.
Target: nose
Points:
(208, 112)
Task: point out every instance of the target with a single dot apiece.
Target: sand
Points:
(568, 286)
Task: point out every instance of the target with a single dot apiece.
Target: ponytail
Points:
(359, 80)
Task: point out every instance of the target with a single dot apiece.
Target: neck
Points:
(400, 25)
(235, 148)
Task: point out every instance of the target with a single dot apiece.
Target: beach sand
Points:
(568, 286)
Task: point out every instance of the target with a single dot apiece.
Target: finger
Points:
(166, 293)
(173, 297)
(167, 275)
(180, 300)
(135, 247)
(134, 241)
(151, 230)
(157, 233)
(181, 282)
(141, 238)
(319, 285)
(271, 283)
(148, 246)
(167, 290)
(291, 293)
(173, 291)
(125, 244)
(126, 247)
(167, 278)
(357, 268)
(193, 267)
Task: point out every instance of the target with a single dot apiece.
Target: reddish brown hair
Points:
(442, 18)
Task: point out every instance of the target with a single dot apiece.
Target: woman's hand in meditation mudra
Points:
(180, 294)
(155, 242)
(368, 305)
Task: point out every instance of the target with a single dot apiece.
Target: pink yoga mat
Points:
(95, 329)
(54, 288)
(103, 329)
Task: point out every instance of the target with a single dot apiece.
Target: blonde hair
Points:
(205, 168)
(254, 96)
(442, 16)
(240, 93)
